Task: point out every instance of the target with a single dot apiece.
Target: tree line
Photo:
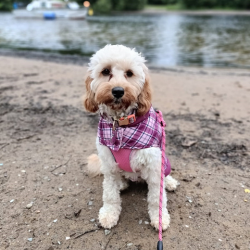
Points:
(199, 4)
(126, 5)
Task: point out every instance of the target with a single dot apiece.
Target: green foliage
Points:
(102, 6)
(105, 6)
(122, 5)
(162, 2)
(198, 4)
(191, 4)
(5, 5)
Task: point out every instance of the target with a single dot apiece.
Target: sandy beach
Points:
(46, 137)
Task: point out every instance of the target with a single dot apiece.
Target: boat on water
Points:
(51, 10)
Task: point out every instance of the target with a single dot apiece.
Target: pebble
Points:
(23, 171)
(146, 222)
(12, 200)
(1, 164)
(55, 220)
(189, 199)
(107, 232)
(186, 225)
(92, 220)
(29, 205)
(140, 222)
(30, 239)
(67, 238)
(129, 244)
(60, 189)
(220, 239)
(90, 203)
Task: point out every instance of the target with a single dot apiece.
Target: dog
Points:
(118, 87)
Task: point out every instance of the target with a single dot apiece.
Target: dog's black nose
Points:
(118, 92)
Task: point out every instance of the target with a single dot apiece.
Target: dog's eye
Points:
(129, 73)
(106, 72)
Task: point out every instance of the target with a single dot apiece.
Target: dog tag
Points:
(123, 121)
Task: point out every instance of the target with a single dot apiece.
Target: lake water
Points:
(165, 40)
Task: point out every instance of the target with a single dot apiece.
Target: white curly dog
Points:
(117, 86)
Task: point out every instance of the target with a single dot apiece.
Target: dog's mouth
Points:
(119, 103)
(117, 100)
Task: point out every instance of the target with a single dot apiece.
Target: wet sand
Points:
(46, 136)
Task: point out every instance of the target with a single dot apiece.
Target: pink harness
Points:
(122, 158)
(145, 132)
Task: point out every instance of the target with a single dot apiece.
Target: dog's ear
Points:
(145, 97)
(89, 97)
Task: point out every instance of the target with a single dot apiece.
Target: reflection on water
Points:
(165, 40)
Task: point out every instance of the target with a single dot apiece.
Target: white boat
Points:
(52, 9)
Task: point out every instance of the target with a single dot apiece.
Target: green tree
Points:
(191, 4)
(236, 4)
(5, 5)
(134, 5)
(105, 6)
(102, 6)
(162, 2)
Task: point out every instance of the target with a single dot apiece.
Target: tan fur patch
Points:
(89, 97)
(145, 98)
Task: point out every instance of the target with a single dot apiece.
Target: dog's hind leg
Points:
(170, 183)
(124, 184)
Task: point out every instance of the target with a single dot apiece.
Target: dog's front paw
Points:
(170, 183)
(109, 216)
(165, 222)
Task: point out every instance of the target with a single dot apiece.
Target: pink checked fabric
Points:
(145, 134)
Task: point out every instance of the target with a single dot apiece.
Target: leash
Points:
(163, 124)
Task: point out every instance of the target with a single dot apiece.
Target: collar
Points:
(128, 121)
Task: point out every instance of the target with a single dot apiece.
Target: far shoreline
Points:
(197, 12)
(81, 60)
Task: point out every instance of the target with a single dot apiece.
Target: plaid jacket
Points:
(145, 132)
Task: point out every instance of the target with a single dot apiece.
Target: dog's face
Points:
(118, 78)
